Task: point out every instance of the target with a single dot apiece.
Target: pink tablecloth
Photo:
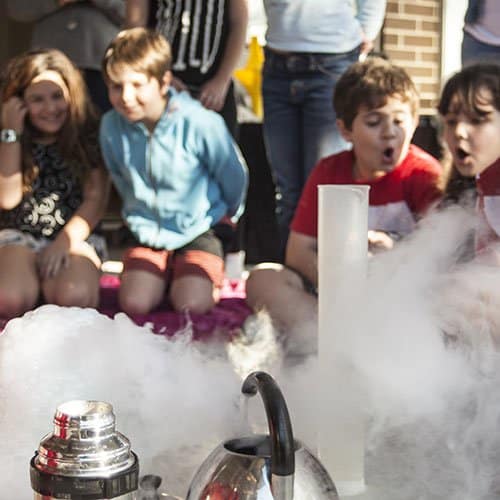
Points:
(225, 318)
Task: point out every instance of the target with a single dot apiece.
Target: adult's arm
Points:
(213, 92)
(370, 14)
(113, 9)
(302, 255)
(137, 13)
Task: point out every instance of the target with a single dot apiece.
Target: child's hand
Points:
(53, 258)
(13, 113)
(379, 241)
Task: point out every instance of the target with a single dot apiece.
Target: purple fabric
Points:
(224, 319)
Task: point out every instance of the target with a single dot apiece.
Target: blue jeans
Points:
(299, 121)
(474, 51)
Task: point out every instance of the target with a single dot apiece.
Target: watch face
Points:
(8, 135)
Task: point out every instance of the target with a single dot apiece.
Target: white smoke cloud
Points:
(422, 340)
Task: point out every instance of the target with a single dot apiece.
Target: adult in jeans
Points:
(481, 41)
(309, 45)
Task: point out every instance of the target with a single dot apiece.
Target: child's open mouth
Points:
(388, 154)
(462, 154)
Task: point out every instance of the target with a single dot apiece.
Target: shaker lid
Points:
(84, 442)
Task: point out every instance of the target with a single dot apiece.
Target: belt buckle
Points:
(291, 62)
(302, 62)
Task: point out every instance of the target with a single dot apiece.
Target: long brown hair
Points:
(77, 139)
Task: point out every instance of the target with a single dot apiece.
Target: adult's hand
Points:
(213, 93)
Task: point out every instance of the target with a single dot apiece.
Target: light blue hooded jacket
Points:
(178, 181)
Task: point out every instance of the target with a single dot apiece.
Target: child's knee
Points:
(136, 304)
(194, 303)
(196, 299)
(261, 282)
(74, 295)
(14, 303)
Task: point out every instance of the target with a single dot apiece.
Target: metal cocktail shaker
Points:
(84, 458)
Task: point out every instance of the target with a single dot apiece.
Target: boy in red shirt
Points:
(377, 110)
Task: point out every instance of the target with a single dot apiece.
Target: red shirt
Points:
(488, 204)
(395, 200)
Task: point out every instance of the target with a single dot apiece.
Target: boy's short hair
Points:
(370, 83)
(465, 86)
(141, 49)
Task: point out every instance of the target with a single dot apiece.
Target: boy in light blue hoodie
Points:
(178, 173)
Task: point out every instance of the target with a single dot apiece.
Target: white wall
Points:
(257, 20)
(453, 21)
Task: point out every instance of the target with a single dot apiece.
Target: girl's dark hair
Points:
(463, 88)
(459, 189)
(77, 140)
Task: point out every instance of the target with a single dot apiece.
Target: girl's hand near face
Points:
(53, 258)
(13, 114)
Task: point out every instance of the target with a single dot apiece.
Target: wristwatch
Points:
(9, 135)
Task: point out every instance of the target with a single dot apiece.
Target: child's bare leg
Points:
(78, 284)
(198, 275)
(281, 292)
(19, 285)
(140, 291)
(194, 293)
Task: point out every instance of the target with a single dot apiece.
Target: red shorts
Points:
(202, 257)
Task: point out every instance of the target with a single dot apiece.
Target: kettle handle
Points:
(280, 427)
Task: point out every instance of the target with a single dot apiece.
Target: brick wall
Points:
(411, 37)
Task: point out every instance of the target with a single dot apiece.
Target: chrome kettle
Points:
(258, 467)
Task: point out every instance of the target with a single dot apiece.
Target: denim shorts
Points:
(10, 237)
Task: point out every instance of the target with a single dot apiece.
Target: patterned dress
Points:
(55, 196)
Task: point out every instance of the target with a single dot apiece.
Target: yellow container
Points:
(250, 76)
